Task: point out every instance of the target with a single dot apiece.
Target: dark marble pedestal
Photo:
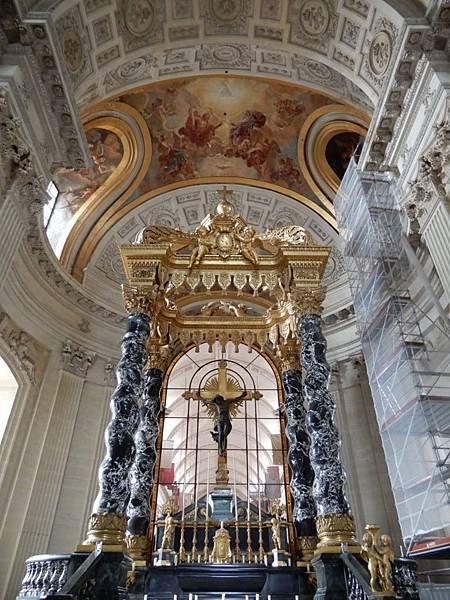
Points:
(235, 580)
(330, 577)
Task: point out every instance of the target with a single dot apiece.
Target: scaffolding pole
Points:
(406, 352)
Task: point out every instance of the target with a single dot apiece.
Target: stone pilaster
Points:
(334, 521)
(302, 475)
(108, 521)
(53, 451)
(141, 474)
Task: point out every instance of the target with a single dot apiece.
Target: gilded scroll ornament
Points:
(137, 547)
(221, 552)
(289, 355)
(307, 545)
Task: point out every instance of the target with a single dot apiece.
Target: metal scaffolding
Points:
(407, 354)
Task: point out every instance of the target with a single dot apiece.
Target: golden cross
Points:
(227, 387)
(225, 192)
(222, 385)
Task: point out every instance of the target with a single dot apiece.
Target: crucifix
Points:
(222, 396)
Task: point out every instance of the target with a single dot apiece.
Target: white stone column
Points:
(52, 449)
(362, 453)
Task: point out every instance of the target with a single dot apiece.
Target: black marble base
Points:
(330, 577)
(242, 579)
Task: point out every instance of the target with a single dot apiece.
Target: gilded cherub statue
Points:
(379, 558)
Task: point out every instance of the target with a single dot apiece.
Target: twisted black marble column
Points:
(334, 522)
(108, 520)
(141, 474)
(304, 510)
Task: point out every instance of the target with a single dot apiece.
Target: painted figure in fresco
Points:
(173, 158)
(199, 129)
(287, 172)
(253, 119)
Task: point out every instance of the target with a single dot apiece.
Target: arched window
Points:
(8, 389)
(255, 463)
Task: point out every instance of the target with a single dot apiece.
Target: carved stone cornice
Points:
(419, 40)
(76, 359)
(33, 46)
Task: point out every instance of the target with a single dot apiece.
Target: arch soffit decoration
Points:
(131, 129)
(109, 49)
(319, 128)
(108, 206)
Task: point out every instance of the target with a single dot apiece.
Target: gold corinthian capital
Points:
(308, 301)
(136, 300)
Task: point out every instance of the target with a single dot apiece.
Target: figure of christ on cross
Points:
(222, 397)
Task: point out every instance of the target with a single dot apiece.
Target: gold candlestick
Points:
(238, 550)
(249, 543)
(182, 552)
(261, 546)
(205, 546)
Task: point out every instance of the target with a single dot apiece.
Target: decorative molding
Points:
(36, 66)
(22, 346)
(76, 359)
(433, 177)
(433, 44)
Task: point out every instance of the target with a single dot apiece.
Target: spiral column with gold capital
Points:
(302, 474)
(141, 474)
(108, 521)
(335, 524)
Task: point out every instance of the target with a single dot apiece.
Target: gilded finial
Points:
(225, 208)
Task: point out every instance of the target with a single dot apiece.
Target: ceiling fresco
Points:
(76, 186)
(222, 126)
(193, 130)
